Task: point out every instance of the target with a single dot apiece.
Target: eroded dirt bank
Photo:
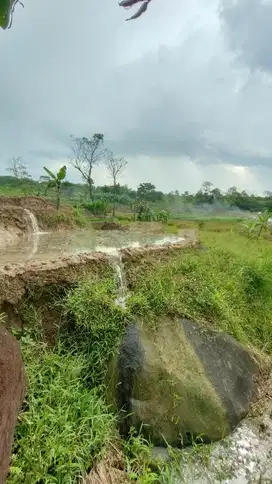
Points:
(33, 277)
(15, 221)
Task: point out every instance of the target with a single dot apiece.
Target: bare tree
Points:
(86, 154)
(115, 167)
(17, 168)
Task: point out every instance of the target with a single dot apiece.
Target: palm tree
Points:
(55, 181)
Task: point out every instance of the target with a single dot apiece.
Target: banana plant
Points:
(263, 223)
(7, 8)
(55, 181)
(256, 227)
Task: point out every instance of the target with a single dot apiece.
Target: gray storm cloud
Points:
(179, 83)
(247, 24)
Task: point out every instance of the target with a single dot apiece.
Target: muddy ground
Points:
(14, 219)
(39, 283)
(17, 280)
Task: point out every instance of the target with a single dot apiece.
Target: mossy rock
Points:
(181, 382)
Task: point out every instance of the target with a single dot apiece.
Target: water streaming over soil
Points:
(117, 264)
(33, 221)
(34, 235)
(43, 246)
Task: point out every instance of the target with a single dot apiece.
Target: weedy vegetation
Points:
(66, 425)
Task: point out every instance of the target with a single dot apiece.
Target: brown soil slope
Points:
(15, 222)
(19, 280)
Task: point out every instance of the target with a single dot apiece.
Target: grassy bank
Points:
(66, 425)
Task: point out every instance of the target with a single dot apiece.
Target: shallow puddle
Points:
(47, 245)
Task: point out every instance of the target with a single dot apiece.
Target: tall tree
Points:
(86, 154)
(18, 168)
(115, 167)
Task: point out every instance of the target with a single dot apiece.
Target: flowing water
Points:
(44, 245)
(33, 221)
(34, 235)
(117, 264)
(40, 246)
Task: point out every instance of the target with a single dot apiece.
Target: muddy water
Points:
(42, 245)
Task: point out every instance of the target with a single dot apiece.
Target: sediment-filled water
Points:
(42, 245)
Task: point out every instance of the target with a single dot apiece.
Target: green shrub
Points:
(80, 220)
(98, 207)
(54, 219)
(162, 216)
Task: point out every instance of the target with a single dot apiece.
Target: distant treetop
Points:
(7, 8)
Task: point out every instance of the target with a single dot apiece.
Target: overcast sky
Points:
(184, 93)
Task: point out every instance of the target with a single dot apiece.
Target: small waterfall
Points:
(35, 232)
(33, 221)
(115, 257)
(121, 281)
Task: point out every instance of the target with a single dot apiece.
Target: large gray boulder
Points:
(181, 381)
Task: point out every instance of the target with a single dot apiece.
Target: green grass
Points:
(55, 220)
(66, 424)
(228, 286)
(95, 325)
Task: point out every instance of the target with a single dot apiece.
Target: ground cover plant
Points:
(66, 425)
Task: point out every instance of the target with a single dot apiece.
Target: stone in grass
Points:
(12, 391)
(112, 226)
(181, 381)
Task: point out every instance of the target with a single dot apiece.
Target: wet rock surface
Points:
(12, 391)
(182, 381)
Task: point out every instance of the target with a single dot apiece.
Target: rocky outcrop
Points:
(12, 391)
(181, 381)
